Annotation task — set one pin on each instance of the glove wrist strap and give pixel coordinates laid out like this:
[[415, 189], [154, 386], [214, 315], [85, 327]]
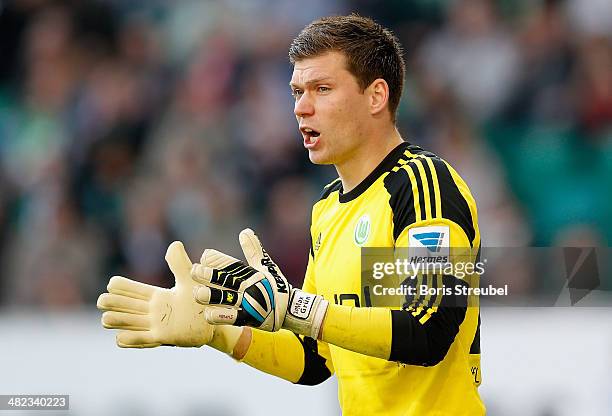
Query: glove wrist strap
[[305, 313]]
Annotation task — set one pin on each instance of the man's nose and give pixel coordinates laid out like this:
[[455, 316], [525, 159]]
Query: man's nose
[[303, 106]]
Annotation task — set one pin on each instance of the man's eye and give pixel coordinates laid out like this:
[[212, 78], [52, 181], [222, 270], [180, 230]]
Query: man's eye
[[296, 93], [323, 89]]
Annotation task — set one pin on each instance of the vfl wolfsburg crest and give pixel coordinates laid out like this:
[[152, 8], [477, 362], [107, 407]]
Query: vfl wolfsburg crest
[[362, 230]]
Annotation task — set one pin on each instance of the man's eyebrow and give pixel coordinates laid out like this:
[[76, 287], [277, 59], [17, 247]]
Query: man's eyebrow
[[312, 81]]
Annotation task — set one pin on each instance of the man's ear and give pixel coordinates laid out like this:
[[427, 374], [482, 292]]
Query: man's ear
[[378, 93]]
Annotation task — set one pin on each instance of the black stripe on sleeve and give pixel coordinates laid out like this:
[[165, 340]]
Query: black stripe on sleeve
[[427, 344], [419, 182], [437, 282], [454, 205], [430, 185], [401, 200], [315, 370]]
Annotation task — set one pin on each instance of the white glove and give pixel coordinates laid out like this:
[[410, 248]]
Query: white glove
[[149, 316], [256, 295]]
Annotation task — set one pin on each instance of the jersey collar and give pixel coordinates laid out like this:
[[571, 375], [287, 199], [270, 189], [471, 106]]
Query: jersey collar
[[387, 163]]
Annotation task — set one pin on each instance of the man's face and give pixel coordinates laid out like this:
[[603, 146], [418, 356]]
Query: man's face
[[329, 107]]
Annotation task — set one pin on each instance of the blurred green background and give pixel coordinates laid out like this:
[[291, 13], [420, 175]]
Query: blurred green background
[[126, 125]]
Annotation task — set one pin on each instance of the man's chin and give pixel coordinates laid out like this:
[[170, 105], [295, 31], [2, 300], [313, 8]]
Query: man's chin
[[319, 158]]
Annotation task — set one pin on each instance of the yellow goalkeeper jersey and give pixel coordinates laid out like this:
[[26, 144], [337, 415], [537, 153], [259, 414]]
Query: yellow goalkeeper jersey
[[413, 197]]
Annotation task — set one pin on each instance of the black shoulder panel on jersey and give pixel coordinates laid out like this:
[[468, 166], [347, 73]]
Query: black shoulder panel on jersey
[[454, 205], [401, 200], [417, 150], [315, 370], [427, 344], [334, 186]]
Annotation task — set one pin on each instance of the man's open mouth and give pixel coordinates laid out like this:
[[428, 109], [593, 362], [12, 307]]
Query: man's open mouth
[[310, 134], [307, 131]]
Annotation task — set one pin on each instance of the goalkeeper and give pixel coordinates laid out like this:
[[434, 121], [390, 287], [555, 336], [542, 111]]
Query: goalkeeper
[[419, 357]]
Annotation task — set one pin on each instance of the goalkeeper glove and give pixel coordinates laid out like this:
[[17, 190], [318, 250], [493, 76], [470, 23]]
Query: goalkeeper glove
[[149, 316], [257, 294]]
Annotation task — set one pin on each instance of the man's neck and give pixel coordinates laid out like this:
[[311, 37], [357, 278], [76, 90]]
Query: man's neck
[[356, 168]]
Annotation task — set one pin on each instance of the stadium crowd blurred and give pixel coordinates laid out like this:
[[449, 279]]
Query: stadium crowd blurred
[[126, 125]]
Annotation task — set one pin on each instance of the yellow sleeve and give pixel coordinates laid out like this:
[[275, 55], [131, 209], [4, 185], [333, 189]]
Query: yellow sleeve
[[278, 353], [363, 330]]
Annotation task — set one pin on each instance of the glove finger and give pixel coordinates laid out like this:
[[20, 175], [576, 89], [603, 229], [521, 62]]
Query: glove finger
[[221, 316], [122, 320], [246, 316], [136, 339], [259, 259], [202, 274], [120, 285], [212, 296], [118, 303], [254, 252], [215, 259], [229, 277], [179, 262]]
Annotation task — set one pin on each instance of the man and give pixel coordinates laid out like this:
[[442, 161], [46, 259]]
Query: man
[[417, 357]]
